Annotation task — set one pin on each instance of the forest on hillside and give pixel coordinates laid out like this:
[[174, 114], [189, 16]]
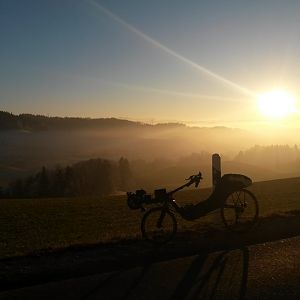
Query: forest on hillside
[[160, 155], [99, 177], [94, 177], [276, 157], [9, 121]]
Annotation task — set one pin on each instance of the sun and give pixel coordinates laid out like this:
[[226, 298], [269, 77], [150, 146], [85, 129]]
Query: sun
[[277, 104]]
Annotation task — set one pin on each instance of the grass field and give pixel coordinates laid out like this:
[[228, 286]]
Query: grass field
[[33, 225]]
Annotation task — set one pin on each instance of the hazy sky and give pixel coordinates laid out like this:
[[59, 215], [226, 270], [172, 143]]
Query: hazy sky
[[193, 61]]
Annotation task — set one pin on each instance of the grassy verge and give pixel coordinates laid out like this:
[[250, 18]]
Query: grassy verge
[[32, 225]]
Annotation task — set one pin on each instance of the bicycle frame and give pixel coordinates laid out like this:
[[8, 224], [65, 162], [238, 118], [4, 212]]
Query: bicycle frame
[[156, 230], [212, 203], [170, 199], [179, 209]]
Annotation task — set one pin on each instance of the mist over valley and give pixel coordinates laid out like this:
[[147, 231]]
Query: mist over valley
[[159, 154]]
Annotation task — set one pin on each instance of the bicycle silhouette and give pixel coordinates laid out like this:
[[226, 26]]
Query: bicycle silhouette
[[238, 206]]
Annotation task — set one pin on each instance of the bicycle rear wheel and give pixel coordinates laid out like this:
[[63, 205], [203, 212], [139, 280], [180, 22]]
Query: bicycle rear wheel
[[240, 211], [158, 225]]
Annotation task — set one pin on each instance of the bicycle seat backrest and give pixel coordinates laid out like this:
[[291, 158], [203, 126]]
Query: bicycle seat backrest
[[234, 182]]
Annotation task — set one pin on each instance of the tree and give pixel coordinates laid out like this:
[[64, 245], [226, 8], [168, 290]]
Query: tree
[[69, 181], [43, 183], [104, 178], [58, 183], [17, 189], [30, 187], [125, 174]]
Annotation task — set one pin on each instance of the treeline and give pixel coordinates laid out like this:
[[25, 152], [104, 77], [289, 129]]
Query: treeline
[[9, 121], [272, 156], [95, 177]]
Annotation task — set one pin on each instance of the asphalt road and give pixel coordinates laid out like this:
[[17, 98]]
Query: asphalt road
[[264, 271]]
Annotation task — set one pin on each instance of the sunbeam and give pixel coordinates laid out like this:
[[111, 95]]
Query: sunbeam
[[162, 91], [168, 50], [134, 87]]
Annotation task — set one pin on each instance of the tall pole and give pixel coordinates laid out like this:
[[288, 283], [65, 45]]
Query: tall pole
[[216, 169]]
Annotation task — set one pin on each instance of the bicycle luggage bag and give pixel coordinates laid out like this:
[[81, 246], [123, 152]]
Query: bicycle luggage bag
[[160, 195], [135, 200]]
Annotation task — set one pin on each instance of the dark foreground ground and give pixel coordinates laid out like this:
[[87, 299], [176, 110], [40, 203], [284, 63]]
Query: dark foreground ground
[[264, 263], [264, 271]]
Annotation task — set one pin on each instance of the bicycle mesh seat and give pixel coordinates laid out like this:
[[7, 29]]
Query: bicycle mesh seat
[[235, 181]]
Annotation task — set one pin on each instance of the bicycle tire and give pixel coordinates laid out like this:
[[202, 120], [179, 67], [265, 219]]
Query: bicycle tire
[[237, 205], [155, 233]]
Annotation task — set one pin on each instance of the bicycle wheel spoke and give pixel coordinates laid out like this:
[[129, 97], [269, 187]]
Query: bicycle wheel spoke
[[158, 225], [240, 210]]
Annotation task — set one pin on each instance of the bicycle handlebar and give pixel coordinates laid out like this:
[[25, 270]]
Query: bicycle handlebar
[[194, 179]]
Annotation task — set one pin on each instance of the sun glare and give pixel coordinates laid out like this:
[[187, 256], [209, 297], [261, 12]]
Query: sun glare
[[276, 104]]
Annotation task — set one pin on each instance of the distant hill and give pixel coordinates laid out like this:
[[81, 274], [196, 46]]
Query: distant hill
[[9, 121], [280, 158], [160, 153]]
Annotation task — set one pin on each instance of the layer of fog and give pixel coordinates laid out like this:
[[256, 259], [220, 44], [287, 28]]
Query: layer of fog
[[156, 154]]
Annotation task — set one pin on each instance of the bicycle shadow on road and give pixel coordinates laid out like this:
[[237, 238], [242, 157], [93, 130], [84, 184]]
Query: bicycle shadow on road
[[190, 278], [222, 274], [131, 284], [204, 276]]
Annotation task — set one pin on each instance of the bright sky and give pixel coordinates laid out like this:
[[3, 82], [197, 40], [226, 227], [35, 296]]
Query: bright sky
[[202, 62]]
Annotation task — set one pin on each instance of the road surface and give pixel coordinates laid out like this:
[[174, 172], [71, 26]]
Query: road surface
[[269, 270]]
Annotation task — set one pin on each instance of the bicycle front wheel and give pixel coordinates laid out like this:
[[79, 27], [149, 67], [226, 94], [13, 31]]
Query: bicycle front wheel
[[158, 225], [240, 211]]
